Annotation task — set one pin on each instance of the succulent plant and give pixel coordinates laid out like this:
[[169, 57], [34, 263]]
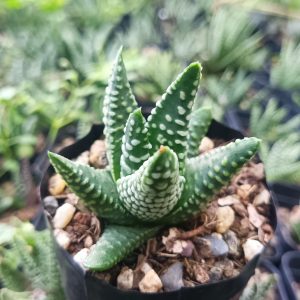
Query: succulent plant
[[155, 176]]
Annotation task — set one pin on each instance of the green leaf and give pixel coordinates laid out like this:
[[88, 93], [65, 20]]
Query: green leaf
[[115, 244], [198, 126], [168, 122], [95, 187], [119, 102], [135, 144], [154, 189], [207, 174]]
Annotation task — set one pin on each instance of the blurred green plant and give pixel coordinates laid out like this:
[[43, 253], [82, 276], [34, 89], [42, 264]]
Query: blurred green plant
[[230, 40], [258, 288], [280, 150], [285, 72], [230, 89], [282, 159], [28, 261], [270, 123]]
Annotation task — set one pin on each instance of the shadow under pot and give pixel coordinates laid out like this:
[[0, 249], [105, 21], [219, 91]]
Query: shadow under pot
[[290, 267], [85, 285]]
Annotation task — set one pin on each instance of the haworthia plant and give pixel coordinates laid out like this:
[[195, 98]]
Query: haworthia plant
[[156, 176]]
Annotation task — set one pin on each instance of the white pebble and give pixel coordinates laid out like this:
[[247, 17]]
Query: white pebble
[[81, 256], [225, 218], [251, 248], [63, 215], [62, 238], [150, 283], [125, 279]]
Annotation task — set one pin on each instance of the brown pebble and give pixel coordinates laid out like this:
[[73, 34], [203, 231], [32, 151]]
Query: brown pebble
[[88, 241], [56, 185]]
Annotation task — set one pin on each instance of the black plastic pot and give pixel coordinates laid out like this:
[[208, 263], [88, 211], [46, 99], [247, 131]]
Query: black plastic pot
[[290, 267], [274, 250], [237, 119], [86, 286], [286, 196], [281, 293]]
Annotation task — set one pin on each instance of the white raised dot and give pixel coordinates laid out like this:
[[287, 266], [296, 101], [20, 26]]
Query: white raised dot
[[182, 133], [190, 104], [135, 142], [181, 110], [170, 132], [162, 126], [194, 92], [182, 95], [179, 122], [168, 118]]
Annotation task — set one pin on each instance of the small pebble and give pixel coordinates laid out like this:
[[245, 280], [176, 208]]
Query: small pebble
[[206, 145], [172, 279], [81, 256], [56, 185], [83, 158], [50, 204], [97, 156], [233, 243], [216, 274], [225, 218], [62, 237], [88, 242], [150, 283], [251, 248], [212, 245], [125, 279], [63, 215], [145, 267]]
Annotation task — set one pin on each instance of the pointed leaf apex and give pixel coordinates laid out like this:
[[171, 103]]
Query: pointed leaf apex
[[137, 111], [120, 50], [194, 67], [162, 149], [53, 157]]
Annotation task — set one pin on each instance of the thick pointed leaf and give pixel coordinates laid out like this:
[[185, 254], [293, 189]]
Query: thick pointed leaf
[[135, 144], [115, 244], [168, 122], [95, 188], [208, 173], [198, 126], [154, 189], [119, 102]]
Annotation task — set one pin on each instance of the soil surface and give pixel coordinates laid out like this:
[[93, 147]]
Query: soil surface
[[214, 246]]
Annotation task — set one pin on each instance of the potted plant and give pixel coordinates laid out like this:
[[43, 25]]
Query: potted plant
[[290, 267], [156, 179]]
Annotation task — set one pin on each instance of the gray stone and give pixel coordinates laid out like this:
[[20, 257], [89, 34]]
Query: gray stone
[[216, 274], [51, 204], [233, 243], [172, 278], [212, 245]]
